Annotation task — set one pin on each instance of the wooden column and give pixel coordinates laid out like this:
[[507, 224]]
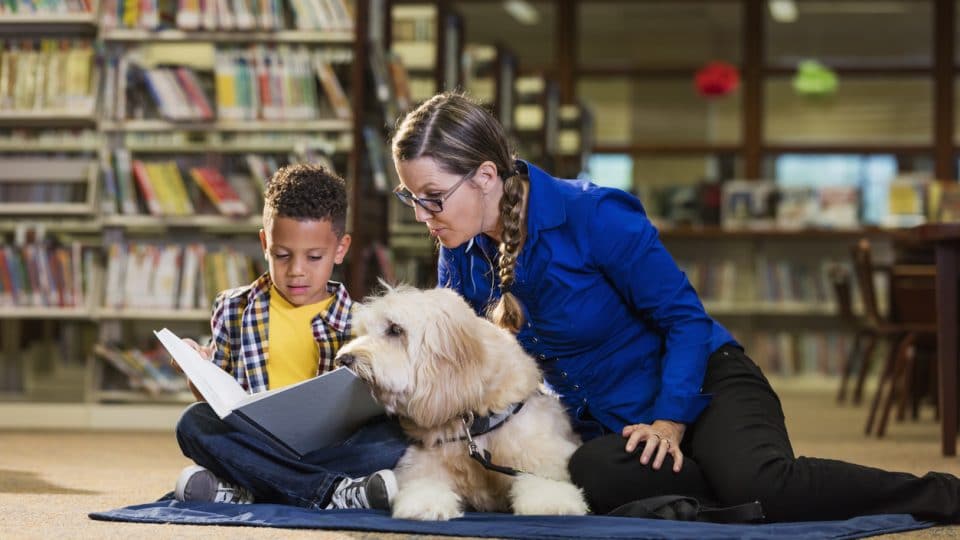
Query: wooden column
[[566, 54], [944, 71], [752, 75]]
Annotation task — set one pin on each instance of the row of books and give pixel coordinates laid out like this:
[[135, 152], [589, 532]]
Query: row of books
[[58, 139], [793, 353], [918, 198], [52, 192], [242, 15], [910, 199], [783, 280], [713, 280], [39, 7], [422, 27], [48, 75], [391, 83], [160, 188], [172, 276], [268, 83], [774, 280], [149, 371], [38, 274], [764, 204], [328, 143]]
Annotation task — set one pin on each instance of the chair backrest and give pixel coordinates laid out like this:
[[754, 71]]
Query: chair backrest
[[863, 269], [913, 294], [843, 294]]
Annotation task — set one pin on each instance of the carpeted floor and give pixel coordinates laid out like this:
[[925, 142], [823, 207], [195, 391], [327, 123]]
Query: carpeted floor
[[50, 481]]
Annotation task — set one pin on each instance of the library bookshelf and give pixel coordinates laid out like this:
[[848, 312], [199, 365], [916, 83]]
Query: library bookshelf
[[89, 221]]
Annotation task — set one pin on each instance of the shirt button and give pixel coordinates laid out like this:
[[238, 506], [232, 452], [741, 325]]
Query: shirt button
[[542, 357], [563, 374], [576, 387], [535, 340]]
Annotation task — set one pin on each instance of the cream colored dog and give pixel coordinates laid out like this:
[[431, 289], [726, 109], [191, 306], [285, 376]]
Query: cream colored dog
[[431, 361]]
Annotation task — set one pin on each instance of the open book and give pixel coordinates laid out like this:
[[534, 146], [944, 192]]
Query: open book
[[317, 413]]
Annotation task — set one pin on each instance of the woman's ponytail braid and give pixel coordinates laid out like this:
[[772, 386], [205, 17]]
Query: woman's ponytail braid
[[508, 313]]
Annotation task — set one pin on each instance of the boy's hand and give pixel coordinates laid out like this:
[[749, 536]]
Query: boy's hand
[[205, 352]]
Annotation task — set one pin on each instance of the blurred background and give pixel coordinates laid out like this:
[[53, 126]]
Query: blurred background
[[794, 154]]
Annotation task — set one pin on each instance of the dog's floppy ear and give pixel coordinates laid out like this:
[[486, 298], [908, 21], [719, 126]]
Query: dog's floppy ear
[[449, 381]]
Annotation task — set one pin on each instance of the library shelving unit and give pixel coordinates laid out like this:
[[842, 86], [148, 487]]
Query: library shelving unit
[[110, 215], [772, 288], [537, 119], [428, 38], [575, 140], [53, 55], [490, 72]]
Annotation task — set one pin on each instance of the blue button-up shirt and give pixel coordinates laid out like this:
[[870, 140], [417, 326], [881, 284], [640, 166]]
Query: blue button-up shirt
[[616, 327]]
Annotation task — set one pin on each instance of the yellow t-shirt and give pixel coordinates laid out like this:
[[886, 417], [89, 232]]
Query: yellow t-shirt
[[292, 353]]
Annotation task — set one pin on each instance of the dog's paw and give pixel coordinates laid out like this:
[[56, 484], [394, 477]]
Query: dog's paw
[[427, 503], [532, 495]]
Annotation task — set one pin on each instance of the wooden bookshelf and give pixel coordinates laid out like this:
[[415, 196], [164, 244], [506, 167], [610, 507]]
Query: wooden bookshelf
[[134, 396], [310, 37], [160, 126], [221, 142], [227, 148], [151, 314], [45, 313], [40, 119], [212, 222]]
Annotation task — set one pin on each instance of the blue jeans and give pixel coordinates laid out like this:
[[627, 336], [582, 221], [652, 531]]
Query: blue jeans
[[273, 477]]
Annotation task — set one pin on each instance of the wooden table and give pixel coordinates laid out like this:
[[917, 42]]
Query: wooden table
[[945, 239]]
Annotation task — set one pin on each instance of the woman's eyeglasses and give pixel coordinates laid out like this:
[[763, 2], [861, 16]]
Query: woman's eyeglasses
[[432, 205]]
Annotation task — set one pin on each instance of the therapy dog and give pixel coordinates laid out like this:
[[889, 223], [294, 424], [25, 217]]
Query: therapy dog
[[454, 380]]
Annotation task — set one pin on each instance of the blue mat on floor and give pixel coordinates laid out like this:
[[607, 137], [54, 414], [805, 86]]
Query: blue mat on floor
[[498, 525]]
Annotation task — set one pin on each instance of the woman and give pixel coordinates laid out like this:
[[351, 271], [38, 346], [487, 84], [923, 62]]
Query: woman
[[664, 397]]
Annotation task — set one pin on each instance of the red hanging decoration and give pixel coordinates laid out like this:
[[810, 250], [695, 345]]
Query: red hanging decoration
[[717, 79]]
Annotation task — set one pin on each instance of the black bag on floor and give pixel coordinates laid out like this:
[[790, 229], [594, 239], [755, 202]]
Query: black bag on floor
[[680, 508]]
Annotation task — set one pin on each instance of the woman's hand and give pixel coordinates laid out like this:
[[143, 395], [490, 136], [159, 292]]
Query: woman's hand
[[662, 437]]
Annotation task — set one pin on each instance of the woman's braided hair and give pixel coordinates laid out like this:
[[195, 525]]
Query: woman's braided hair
[[459, 135]]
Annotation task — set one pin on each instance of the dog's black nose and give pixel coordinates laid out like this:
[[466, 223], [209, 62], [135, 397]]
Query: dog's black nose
[[346, 359]]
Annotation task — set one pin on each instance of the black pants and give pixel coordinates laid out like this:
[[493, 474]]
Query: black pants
[[738, 451]]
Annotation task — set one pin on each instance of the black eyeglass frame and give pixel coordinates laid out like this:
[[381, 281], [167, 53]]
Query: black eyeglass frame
[[432, 205]]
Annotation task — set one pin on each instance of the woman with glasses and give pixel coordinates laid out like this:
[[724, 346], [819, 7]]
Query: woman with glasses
[[664, 397]]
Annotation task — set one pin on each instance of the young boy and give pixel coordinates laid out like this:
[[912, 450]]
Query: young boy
[[283, 328]]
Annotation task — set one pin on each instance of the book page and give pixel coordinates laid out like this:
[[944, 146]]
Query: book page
[[218, 387]]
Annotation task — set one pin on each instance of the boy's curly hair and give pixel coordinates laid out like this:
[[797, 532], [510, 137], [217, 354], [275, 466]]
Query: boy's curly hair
[[307, 191]]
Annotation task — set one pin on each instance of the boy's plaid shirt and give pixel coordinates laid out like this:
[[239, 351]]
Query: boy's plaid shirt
[[239, 326]]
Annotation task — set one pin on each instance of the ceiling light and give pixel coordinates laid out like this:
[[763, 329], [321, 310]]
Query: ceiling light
[[783, 11], [522, 11]]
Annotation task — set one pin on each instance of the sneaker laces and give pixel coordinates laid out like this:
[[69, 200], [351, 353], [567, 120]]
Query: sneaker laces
[[230, 493], [351, 493]]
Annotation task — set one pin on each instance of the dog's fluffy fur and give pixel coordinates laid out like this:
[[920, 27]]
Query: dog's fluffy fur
[[430, 360]]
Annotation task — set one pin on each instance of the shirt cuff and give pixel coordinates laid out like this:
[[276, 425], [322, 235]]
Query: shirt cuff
[[683, 408]]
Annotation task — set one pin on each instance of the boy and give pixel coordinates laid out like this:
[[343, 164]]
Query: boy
[[283, 328]]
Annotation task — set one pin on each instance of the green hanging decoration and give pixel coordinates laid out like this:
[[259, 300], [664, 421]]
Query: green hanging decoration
[[815, 79]]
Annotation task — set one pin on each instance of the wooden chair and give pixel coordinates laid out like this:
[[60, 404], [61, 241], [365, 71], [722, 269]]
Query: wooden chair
[[907, 322], [912, 304], [864, 341]]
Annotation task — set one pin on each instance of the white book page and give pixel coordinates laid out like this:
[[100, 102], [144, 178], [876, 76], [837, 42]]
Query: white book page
[[218, 387]]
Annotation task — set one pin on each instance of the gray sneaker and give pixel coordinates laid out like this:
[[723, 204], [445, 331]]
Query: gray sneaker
[[375, 491], [196, 483]]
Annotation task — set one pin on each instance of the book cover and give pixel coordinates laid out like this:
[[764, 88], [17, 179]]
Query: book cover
[[278, 415]]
